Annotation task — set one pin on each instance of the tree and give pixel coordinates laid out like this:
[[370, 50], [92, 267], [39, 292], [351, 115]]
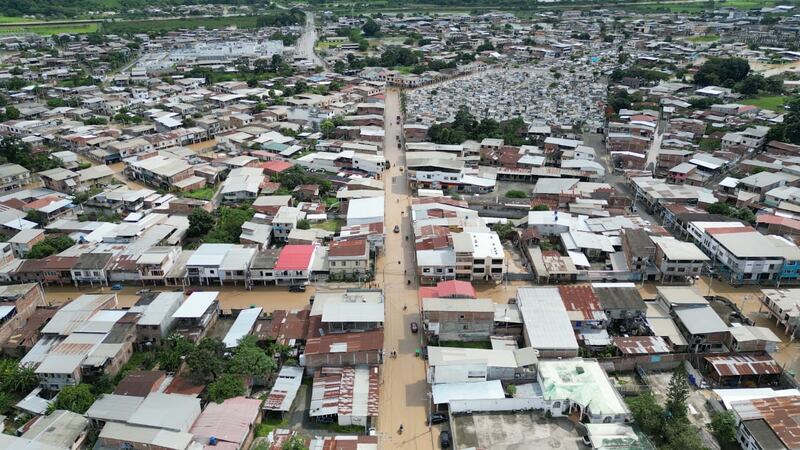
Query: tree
[[200, 222], [326, 128], [50, 246], [682, 435], [77, 399], [12, 113], [295, 442], [724, 71], [371, 28], [541, 208], [516, 194], [227, 386], [677, 393], [175, 347], [303, 224], [719, 208], [229, 225], [250, 359], [647, 414], [206, 361], [18, 378], [505, 231], [723, 425], [38, 217]]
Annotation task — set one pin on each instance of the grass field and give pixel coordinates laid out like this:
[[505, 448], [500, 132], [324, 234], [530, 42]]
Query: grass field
[[6, 19], [333, 225], [774, 102], [702, 39], [47, 30], [163, 26], [206, 193]]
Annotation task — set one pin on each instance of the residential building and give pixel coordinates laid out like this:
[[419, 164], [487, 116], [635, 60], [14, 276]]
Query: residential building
[[13, 177], [678, 261], [23, 242], [349, 258], [457, 319], [479, 256], [196, 315]]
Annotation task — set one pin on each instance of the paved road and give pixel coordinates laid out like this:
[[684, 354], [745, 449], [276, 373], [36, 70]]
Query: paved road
[[304, 47], [404, 391]]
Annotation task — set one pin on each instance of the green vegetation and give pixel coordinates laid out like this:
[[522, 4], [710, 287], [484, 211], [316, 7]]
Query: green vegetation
[[332, 225], [789, 130], [51, 29], [205, 193], [621, 99], [50, 246], [270, 423], [7, 19], [227, 386], [466, 126], [229, 224], [723, 426], [516, 194], [77, 399], [167, 25], [743, 214], [296, 176], [15, 382], [704, 38], [647, 75], [722, 72], [13, 150], [771, 102], [668, 427], [467, 344], [276, 19]]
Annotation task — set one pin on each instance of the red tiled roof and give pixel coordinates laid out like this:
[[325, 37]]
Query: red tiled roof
[[456, 288], [729, 230], [349, 248], [295, 257], [772, 219], [42, 202], [448, 289], [276, 166]]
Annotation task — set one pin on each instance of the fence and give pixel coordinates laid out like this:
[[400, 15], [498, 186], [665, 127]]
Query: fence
[[501, 404]]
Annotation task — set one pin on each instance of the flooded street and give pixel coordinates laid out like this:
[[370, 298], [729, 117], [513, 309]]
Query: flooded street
[[404, 390]]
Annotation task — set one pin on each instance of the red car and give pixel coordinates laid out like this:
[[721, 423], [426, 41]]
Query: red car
[[414, 327]]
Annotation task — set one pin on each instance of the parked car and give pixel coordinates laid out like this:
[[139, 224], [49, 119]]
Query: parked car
[[437, 418], [116, 287], [414, 327], [396, 228], [444, 439], [297, 288]]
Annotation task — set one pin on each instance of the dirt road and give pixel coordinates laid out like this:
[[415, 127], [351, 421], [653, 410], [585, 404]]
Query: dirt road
[[404, 391]]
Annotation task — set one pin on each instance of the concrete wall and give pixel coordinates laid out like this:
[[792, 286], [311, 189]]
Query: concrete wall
[[502, 404]]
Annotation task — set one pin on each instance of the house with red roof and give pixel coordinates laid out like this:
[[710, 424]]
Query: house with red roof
[[294, 263], [349, 258], [276, 166], [229, 425], [449, 289]]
